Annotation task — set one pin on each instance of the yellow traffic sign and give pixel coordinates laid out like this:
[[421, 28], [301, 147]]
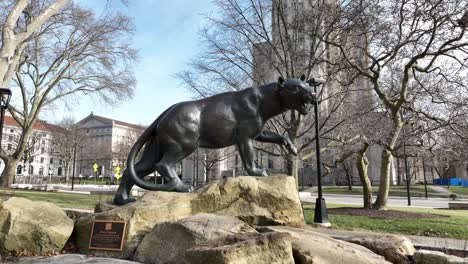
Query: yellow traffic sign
[[118, 176], [95, 167], [117, 169]]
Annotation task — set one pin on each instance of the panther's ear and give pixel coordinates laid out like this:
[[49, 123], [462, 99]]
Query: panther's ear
[[303, 77], [281, 81]]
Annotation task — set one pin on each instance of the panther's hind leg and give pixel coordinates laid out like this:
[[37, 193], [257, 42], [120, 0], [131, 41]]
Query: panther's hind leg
[[142, 168], [145, 166], [167, 166]]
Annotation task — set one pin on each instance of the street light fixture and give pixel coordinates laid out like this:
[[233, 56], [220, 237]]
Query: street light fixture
[[5, 96], [321, 216]]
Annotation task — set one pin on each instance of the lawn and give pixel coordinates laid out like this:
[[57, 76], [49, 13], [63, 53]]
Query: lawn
[[64, 200], [454, 225], [459, 190], [415, 191]]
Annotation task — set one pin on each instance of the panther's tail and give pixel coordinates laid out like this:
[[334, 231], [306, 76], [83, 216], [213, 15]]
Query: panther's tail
[[150, 131]]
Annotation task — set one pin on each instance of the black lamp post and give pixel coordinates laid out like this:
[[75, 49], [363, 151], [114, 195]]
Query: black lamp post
[[321, 216], [407, 171], [5, 95], [74, 160]]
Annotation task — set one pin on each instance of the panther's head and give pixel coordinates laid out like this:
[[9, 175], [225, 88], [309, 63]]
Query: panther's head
[[295, 94]]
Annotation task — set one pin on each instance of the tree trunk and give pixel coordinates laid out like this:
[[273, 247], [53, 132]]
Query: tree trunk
[[384, 186], [361, 165], [9, 172], [398, 172], [349, 177], [293, 168]]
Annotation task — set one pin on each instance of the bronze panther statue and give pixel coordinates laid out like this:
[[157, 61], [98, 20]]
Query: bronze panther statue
[[232, 118]]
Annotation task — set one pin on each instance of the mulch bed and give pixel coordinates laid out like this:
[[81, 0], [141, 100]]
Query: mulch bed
[[384, 214]]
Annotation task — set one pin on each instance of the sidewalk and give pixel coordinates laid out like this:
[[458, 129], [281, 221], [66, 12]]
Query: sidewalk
[[433, 243]]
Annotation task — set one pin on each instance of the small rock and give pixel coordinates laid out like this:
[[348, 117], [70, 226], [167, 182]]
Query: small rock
[[31, 227], [311, 247], [252, 248], [436, 257], [395, 248], [168, 241]]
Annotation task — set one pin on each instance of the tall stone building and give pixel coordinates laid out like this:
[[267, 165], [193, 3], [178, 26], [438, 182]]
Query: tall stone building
[[103, 141], [41, 157]]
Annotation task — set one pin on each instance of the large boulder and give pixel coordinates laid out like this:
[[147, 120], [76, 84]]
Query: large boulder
[[397, 249], [252, 248], [269, 200], [311, 247], [436, 257], [140, 216], [168, 241], [33, 227], [72, 259]]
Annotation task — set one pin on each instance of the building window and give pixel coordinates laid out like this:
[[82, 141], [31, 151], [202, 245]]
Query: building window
[[31, 169], [51, 161], [59, 171], [43, 142], [42, 150], [10, 138], [42, 159], [60, 162], [31, 159], [9, 147], [11, 131], [19, 169], [270, 164], [41, 170]]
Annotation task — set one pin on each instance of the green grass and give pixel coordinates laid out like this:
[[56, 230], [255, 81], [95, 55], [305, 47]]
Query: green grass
[[64, 200], [415, 191], [459, 190], [454, 226]]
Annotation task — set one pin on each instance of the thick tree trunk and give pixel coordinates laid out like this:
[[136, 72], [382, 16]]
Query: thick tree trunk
[[384, 186], [9, 173], [361, 165]]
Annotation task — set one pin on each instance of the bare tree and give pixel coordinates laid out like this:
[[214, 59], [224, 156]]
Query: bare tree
[[123, 146], [14, 40], [64, 144], [407, 43], [73, 53], [254, 42]]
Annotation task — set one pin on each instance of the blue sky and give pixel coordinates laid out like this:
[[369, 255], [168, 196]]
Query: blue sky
[[166, 37]]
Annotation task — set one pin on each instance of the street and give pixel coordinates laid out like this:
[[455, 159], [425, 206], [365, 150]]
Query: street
[[392, 200]]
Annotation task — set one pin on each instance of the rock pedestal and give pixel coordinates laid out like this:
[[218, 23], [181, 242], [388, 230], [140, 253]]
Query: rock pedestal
[[255, 200], [269, 200], [33, 227], [141, 216]]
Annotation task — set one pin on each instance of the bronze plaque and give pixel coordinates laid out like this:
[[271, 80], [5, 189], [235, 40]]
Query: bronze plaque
[[107, 235]]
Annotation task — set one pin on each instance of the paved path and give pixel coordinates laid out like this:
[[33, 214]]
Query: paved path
[[441, 189], [418, 241], [392, 200]]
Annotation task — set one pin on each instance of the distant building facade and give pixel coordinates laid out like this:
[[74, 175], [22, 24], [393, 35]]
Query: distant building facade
[[41, 157], [105, 142]]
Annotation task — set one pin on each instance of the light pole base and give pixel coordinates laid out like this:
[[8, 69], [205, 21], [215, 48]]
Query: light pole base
[[321, 216]]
